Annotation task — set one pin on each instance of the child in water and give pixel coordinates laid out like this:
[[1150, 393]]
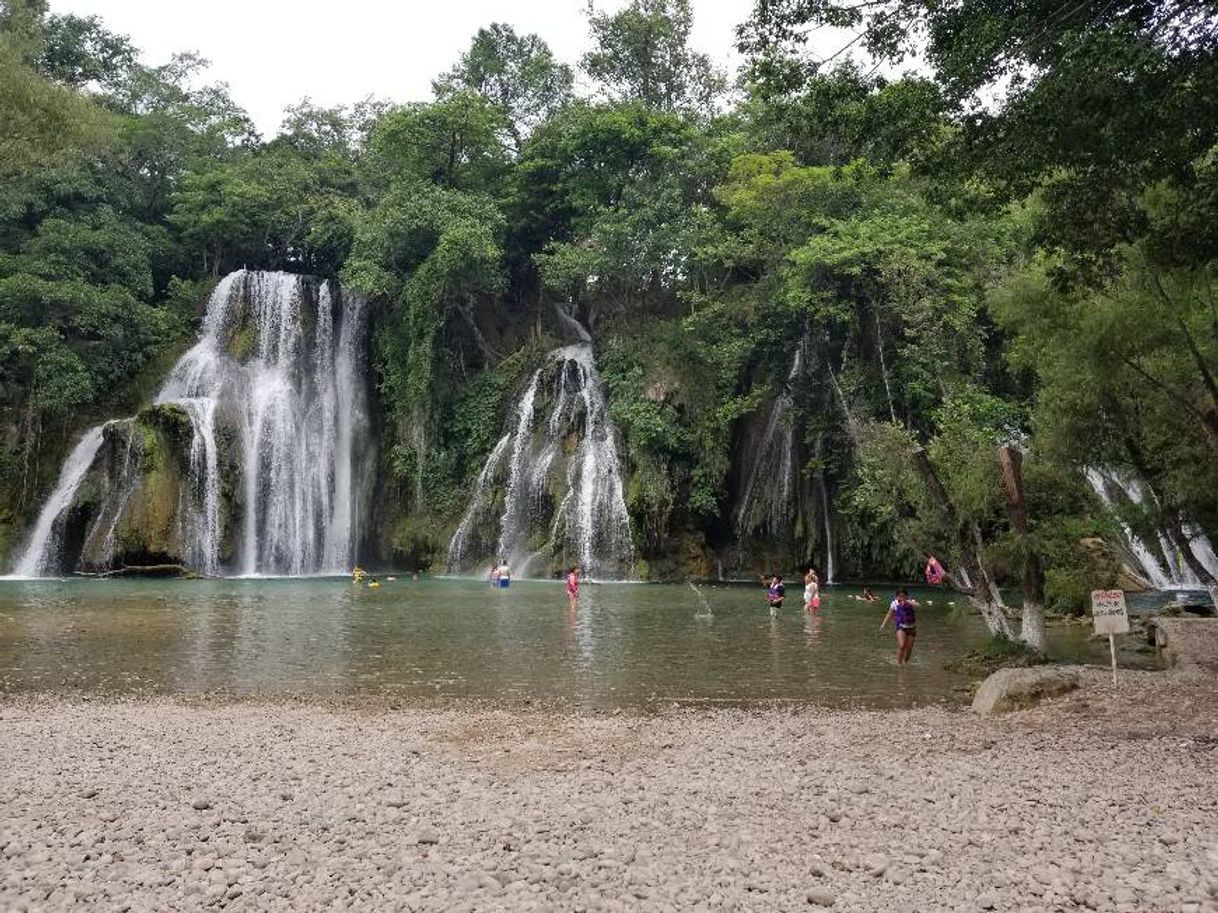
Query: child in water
[[811, 592], [906, 620]]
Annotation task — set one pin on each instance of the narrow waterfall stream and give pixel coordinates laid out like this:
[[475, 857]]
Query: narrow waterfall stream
[[274, 387], [41, 552]]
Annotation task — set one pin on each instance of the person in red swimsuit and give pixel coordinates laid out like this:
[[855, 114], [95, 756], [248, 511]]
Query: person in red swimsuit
[[573, 586]]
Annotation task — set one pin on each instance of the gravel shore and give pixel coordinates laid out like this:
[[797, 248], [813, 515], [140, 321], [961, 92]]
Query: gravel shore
[[1103, 799]]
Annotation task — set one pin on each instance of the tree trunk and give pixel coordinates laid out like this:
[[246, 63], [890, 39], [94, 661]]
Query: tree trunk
[[971, 547], [146, 570], [1032, 624], [879, 342]]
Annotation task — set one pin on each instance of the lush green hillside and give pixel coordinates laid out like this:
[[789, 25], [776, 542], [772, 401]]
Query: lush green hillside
[[894, 277]]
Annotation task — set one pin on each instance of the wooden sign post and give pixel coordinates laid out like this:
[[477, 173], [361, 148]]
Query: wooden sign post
[[1110, 617]]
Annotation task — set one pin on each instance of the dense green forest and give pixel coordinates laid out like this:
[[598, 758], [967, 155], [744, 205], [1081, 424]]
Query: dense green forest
[[996, 271]]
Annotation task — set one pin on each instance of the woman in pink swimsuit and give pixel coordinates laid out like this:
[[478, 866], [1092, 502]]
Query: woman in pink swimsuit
[[573, 586]]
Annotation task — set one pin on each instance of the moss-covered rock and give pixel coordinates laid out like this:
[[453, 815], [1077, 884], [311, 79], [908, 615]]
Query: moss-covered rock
[[167, 435], [129, 505]]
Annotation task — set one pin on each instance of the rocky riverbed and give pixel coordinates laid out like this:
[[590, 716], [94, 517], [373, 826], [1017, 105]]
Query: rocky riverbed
[[1097, 800]]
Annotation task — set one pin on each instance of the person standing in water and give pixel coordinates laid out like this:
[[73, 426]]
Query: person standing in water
[[495, 574], [505, 575], [906, 620], [573, 587], [775, 592], [811, 592]]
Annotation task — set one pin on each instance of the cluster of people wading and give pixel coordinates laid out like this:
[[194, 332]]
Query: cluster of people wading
[[902, 610]]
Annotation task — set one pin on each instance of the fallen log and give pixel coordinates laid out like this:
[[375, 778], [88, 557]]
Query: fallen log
[[146, 570]]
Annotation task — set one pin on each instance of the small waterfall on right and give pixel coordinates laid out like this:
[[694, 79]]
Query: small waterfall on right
[[1159, 563], [550, 493]]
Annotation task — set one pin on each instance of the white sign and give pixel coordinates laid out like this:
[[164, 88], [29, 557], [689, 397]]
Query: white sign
[[1108, 612]]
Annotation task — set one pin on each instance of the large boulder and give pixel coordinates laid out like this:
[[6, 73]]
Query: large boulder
[[1188, 644], [1013, 689]]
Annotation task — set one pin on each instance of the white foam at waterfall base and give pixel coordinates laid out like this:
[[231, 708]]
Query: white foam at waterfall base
[[42, 550], [590, 523]]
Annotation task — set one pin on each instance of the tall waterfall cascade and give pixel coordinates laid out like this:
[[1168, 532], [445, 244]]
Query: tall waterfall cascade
[[1158, 561], [550, 493], [769, 492], [273, 392]]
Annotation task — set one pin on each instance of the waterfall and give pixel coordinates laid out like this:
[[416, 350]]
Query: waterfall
[[562, 497], [1166, 570], [301, 411], [571, 325], [769, 481], [276, 377], [457, 547], [41, 554], [824, 511], [105, 524]]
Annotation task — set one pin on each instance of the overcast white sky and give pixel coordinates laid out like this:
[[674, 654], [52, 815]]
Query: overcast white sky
[[274, 52]]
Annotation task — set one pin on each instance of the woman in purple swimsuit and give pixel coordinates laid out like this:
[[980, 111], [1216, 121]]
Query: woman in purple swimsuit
[[903, 615]]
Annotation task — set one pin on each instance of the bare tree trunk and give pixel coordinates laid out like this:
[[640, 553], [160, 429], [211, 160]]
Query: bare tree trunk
[[971, 546], [29, 437], [1032, 624], [879, 342]]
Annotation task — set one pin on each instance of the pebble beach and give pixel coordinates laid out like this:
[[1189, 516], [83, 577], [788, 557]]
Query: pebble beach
[[1103, 799]]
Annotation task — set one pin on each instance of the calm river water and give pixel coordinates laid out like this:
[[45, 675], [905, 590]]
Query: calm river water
[[441, 639]]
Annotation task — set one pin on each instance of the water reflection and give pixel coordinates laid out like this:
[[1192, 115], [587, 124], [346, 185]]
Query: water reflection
[[622, 645]]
